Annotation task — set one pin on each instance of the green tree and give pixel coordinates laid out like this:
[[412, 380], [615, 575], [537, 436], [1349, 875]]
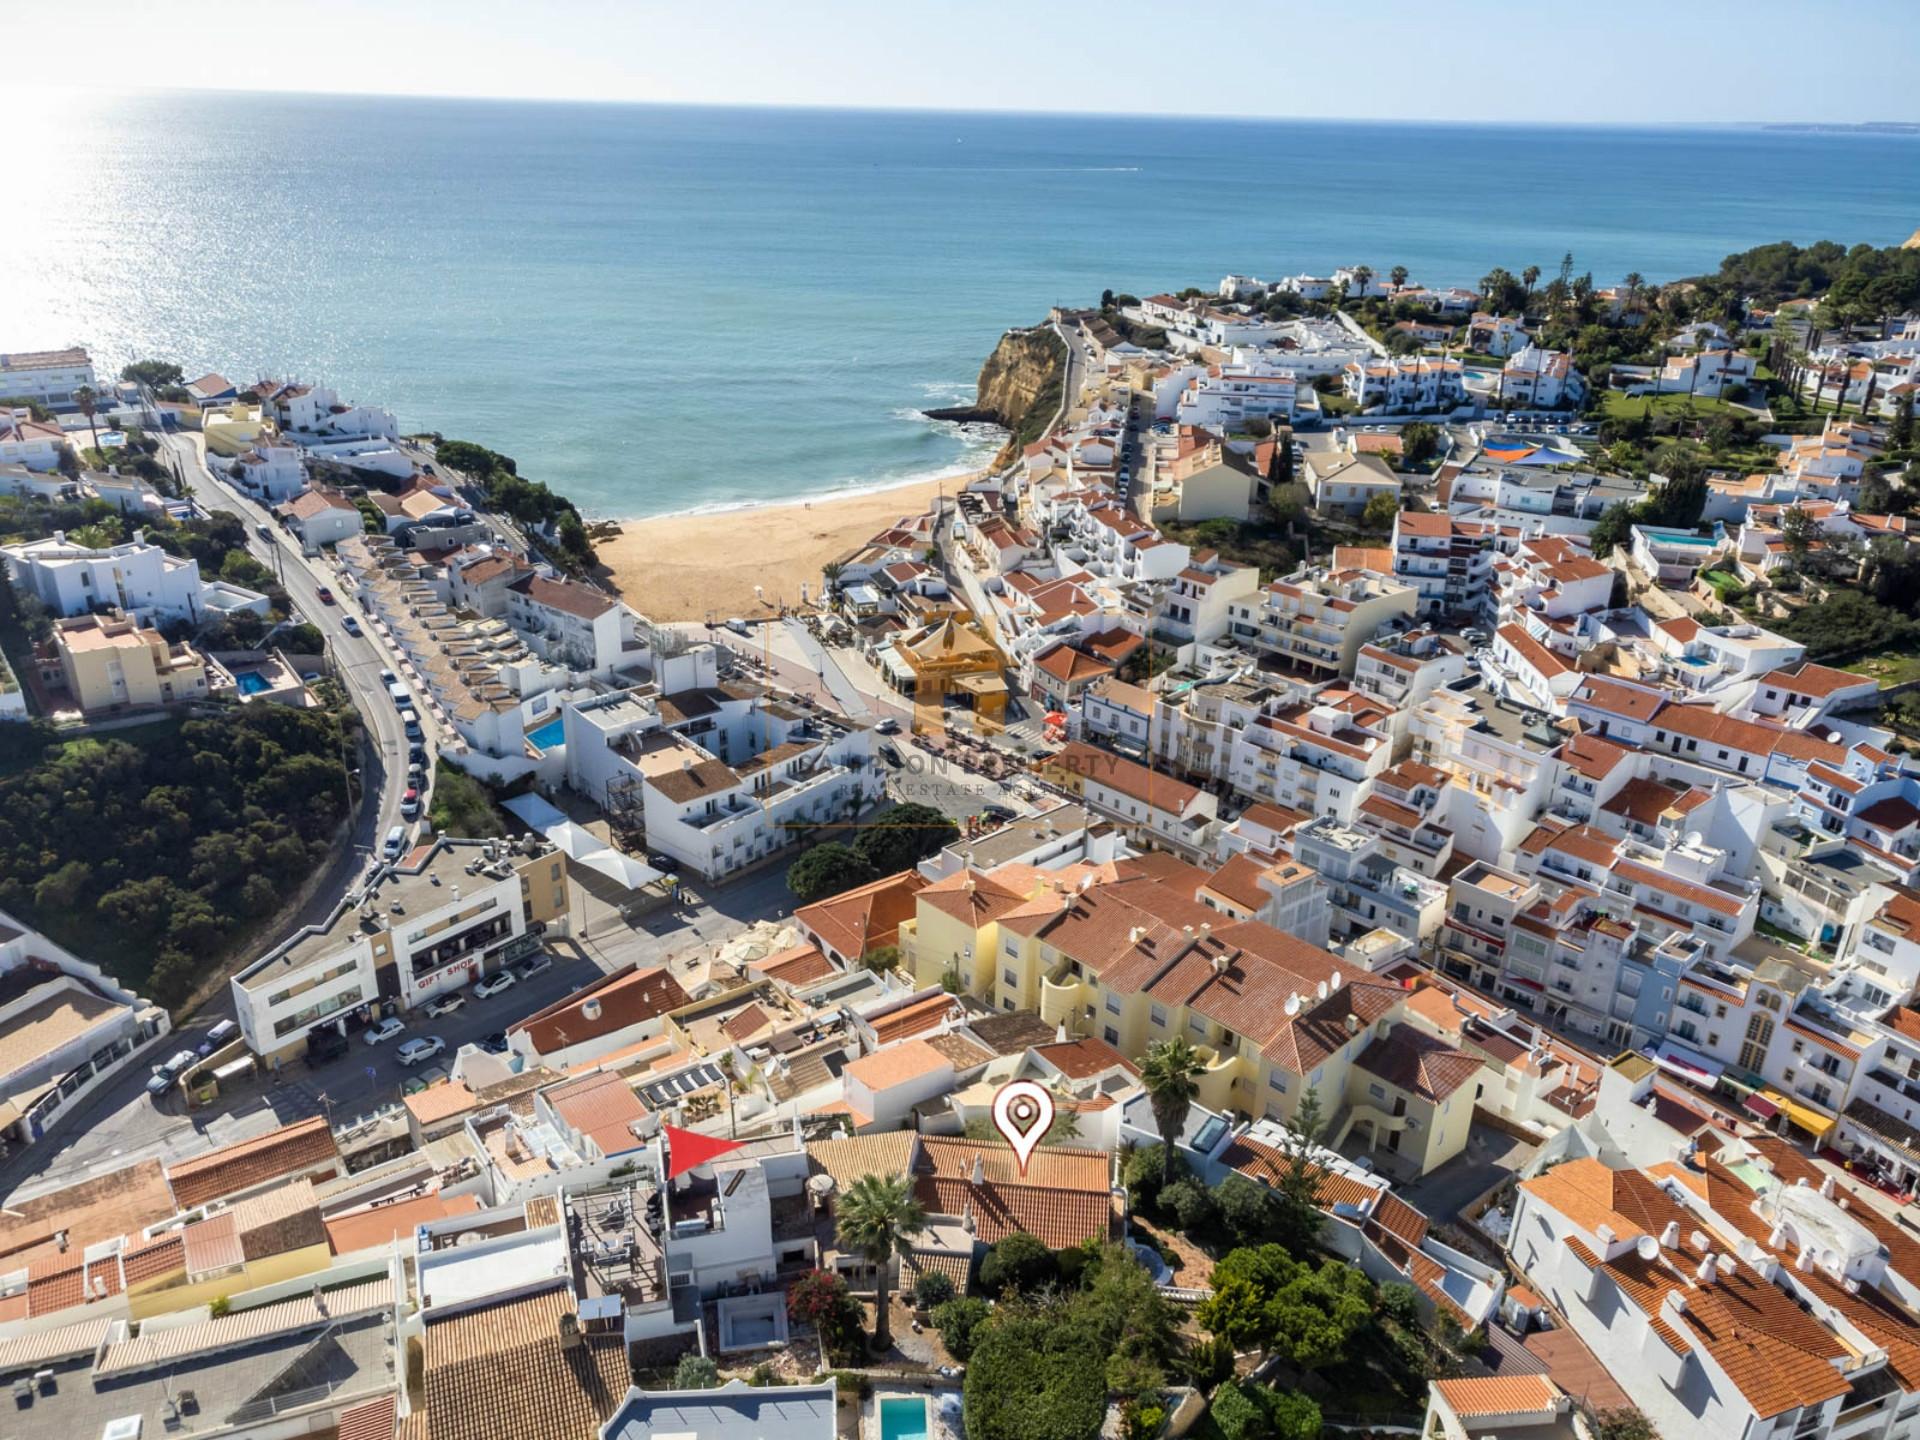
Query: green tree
[[1145, 1176], [820, 1299], [1191, 1204], [87, 400], [1419, 443], [1235, 1414], [1900, 429], [828, 870], [1624, 1423], [1398, 275], [1290, 1415], [1033, 1378], [958, 1320], [1614, 528], [1019, 1261], [1799, 532], [876, 1216], [932, 1289], [1296, 1190], [903, 837], [696, 1372], [1529, 277], [1381, 511], [881, 958], [1170, 1074], [154, 374], [1248, 1209]]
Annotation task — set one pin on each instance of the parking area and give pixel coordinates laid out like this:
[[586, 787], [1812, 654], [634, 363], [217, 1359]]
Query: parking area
[[1490, 1157]]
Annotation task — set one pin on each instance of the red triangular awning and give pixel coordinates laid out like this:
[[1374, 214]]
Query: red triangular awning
[[688, 1149]]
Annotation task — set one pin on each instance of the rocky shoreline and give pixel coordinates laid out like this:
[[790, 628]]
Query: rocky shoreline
[[969, 415]]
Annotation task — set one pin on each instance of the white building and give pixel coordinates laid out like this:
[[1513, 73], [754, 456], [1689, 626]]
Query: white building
[[269, 471], [437, 919], [1541, 379], [1415, 384], [29, 442], [49, 376], [1316, 620], [1226, 396], [322, 517], [573, 624], [136, 577]]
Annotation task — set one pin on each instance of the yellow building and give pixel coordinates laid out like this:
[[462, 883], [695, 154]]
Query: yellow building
[[263, 1240], [108, 662], [953, 655], [1111, 951], [232, 429]]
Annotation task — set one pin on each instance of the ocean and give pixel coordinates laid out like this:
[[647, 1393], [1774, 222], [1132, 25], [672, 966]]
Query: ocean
[[659, 309]]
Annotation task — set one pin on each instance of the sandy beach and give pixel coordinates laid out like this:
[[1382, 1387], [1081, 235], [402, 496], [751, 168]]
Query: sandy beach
[[683, 567]]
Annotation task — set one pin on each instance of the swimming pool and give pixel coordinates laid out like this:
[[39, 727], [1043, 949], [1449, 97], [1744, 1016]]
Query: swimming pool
[[251, 682], [549, 734], [903, 1417]]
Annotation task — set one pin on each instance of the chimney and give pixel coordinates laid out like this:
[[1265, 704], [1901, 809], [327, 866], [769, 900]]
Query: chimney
[[1670, 1237], [979, 1170], [1206, 927], [1826, 1188], [1222, 963], [1805, 1263], [570, 1337], [1704, 1274]]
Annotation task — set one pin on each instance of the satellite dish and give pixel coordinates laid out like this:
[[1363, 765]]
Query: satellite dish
[[1334, 980], [1293, 1005], [1320, 991]]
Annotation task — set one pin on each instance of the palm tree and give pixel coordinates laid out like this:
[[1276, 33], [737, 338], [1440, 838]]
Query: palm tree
[[1169, 1073], [876, 1216], [1399, 276], [89, 403], [1529, 277], [1362, 277]]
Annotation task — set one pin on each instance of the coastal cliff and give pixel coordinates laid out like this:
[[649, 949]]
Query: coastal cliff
[[1019, 388]]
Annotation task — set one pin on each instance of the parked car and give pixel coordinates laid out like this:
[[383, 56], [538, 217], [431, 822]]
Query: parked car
[[410, 803], [387, 677], [533, 965], [493, 985], [350, 625], [739, 626], [494, 1044], [665, 864], [168, 1071], [395, 843], [263, 532], [998, 812], [888, 726], [892, 756], [216, 1036], [419, 1049], [326, 595], [446, 1004], [417, 755], [382, 1031]]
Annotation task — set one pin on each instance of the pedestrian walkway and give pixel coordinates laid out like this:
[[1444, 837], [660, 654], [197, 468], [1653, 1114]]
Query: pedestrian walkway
[[851, 701]]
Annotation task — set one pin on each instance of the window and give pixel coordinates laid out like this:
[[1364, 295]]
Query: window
[[1158, 1016], [1010, 977], [1197, 1025], [1377, 1092], [1278, 1080], [1112, 1035], [1113, 1003]]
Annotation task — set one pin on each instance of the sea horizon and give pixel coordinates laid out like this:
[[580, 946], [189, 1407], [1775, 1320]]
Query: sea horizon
[[664, 308]]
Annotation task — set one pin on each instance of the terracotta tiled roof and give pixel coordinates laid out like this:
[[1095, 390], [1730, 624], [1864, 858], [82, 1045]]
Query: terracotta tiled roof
[[1063, 1199], [1400, 1220], [915, 1019], [293, 1150], [1419, 1064], [1488, 1395], [972, 898], [500, 1370], [864, 919], [1259, 1161], [896, 1065], [568, 596], [371, 1420], [1117, 773], [1238, 882], [1082, 1059], [626, 998], [799, 966], [382, 1226], [846, 1160]]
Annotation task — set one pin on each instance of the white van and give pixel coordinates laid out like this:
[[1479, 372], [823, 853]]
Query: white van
[[395, 844], [398, 693]]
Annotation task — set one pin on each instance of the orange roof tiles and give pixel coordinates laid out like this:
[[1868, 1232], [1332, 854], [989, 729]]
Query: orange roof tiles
[[302, 1147], [364, 1229], [622, 1000], [1483, 1396], [863, 919]]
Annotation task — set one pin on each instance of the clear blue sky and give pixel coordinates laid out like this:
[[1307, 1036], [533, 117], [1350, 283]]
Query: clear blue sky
[[1535, 61]]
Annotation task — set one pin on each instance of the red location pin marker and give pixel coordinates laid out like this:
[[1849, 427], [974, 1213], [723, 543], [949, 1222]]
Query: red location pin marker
[[1023, 1112]]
